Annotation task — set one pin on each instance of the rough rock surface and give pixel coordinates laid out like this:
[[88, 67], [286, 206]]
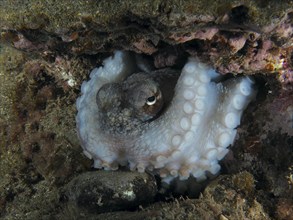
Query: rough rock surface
[[59, 42], [228, 197], [234, 36]]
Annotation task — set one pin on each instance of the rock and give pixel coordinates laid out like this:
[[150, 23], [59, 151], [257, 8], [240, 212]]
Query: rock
[[227, 197], [104, 191], [235, 36]]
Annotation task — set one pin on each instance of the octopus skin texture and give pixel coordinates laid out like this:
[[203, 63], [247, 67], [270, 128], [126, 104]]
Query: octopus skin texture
[[127, 119]]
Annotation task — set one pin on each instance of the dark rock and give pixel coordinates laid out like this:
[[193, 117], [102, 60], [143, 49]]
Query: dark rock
[[104, 191]]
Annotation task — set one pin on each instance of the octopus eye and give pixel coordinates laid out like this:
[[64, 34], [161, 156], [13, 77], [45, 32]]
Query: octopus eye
[[151, 100]]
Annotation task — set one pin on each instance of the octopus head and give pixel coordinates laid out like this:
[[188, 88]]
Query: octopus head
[[139, 97], [144, 96]]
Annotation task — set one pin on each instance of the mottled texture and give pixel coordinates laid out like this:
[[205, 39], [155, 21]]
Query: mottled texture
[[123, 106], [187, 138]]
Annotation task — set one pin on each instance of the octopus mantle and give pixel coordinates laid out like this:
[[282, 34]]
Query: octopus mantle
[[189, 138]]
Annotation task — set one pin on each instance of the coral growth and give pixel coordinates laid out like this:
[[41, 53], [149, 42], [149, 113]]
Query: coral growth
[[38, 147]]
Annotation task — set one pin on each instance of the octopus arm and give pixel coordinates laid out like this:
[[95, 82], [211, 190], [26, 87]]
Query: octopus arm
[[189, 138], [95, 146], [195, 131]]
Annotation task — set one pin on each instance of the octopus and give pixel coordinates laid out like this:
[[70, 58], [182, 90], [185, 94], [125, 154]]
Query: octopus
[[172, 123]]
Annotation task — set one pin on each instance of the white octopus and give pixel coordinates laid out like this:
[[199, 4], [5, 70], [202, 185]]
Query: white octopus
[[188, 139]]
